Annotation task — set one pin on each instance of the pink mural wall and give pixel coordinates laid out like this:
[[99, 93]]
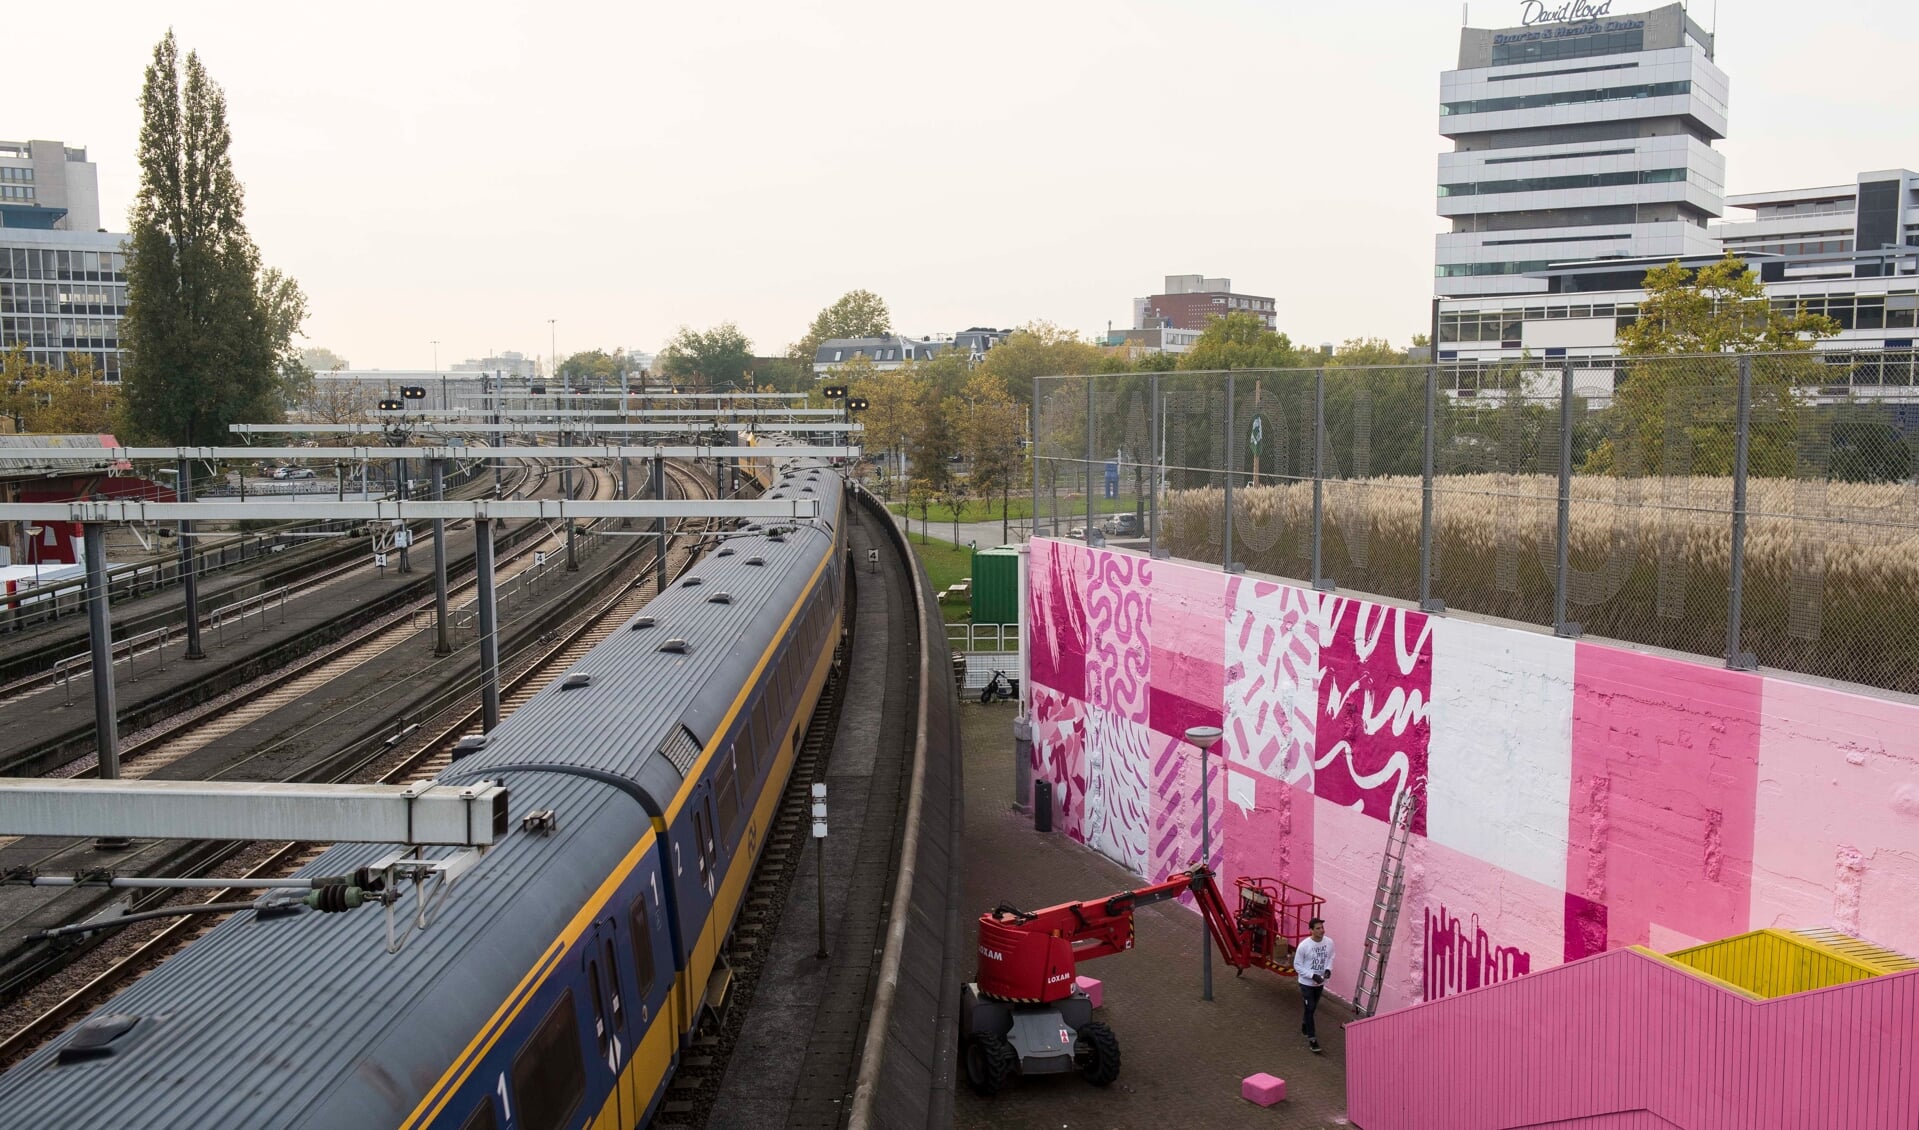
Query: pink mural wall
[[1568, 797]]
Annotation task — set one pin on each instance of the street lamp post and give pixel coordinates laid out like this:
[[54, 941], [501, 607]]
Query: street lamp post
[[1204, 737]]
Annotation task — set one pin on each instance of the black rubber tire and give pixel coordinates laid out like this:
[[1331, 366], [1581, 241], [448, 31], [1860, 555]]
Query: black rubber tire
[[1097, 1054], [991, 1064]]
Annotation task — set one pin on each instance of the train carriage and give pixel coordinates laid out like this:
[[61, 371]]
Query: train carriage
[[561, 978]]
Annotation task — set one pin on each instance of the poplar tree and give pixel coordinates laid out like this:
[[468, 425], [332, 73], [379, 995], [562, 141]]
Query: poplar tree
[[206, 329]]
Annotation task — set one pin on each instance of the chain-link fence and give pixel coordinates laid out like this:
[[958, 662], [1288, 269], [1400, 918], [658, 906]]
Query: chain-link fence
[[1734, 506]]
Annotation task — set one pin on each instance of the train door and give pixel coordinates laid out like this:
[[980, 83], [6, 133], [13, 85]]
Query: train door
[[607, 1012]]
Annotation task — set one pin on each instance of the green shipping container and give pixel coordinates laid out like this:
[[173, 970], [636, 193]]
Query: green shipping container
[[996, 586]]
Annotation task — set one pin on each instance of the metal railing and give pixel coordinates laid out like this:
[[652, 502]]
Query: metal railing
[[124, 651], [1739, 506], [982, 637], [253, 607]]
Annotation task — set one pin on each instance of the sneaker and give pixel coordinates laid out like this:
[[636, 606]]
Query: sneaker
[[1314, 1045]]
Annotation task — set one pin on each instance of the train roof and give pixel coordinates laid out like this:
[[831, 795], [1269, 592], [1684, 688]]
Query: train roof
[[275, 1022]]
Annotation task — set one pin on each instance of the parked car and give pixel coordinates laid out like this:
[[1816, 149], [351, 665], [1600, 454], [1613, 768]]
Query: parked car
[[299, 473], [1122, 526], [1076, 532]]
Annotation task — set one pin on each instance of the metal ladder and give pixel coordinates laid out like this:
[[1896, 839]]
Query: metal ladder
[[1385, 916]]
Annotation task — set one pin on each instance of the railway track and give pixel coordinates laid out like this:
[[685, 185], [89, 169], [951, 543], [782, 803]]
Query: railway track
[[44, 1011], [532, 477]]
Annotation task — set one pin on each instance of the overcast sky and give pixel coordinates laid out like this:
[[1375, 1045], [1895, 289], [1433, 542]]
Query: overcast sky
[[466, 172]]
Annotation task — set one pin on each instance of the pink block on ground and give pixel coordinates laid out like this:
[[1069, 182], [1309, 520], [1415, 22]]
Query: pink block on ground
[[1262, 1088], [1093, 989]]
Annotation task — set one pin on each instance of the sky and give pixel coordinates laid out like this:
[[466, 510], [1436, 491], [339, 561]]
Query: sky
[[464, 173]]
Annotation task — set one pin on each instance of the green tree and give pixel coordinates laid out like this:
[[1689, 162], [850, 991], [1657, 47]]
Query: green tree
[[207, 331], [1679, 350], [592, 367], [857, 313], [715, 359], [1240, 341]]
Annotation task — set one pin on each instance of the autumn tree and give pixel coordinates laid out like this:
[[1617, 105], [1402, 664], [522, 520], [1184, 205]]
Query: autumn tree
[[1038, 349], [992, 426], [857, 313], [208, 332], [320, 359], [56, 401], [714, 359], [1676, 394]]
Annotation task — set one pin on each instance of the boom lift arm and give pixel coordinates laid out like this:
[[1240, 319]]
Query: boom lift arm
[[1032, 956]]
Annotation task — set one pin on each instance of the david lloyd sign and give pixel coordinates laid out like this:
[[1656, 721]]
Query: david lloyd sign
[[1536, 12]]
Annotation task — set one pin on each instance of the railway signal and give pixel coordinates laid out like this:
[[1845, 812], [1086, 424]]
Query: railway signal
[[819, 836], [833, 392], [413, 392], [391, 405]]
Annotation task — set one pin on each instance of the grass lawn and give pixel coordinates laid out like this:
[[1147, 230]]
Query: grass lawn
[[946, 564], [1020, 508]]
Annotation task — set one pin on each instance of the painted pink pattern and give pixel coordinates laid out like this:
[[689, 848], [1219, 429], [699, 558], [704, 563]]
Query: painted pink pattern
[[1375, 688], [1461, 957], [1119, 616], [1176, 838], [1059, 755], [1186, 650], [1058, 600], [1272, 670], [1119, 768], [1273, 837]]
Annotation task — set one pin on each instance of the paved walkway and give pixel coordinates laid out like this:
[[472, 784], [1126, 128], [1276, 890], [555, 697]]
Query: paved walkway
[[1182, 1058]]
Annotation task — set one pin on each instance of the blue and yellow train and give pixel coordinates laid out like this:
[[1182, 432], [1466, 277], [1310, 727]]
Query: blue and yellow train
[[563, 975]]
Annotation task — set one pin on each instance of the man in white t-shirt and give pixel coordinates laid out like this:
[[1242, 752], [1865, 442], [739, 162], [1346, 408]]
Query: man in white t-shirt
[[1313, 961]]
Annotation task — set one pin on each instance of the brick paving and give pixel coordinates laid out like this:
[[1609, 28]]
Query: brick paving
[[1182, 1058]]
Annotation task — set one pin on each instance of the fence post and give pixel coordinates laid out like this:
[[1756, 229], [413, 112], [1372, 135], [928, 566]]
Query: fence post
[[1319, 479], [1232, 462], [1159, 470], [1032, 452], [1561, 626], [1736, 659], [1091, 438], [1426, 601]]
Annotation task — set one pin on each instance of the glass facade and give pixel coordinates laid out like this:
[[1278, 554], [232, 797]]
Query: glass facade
[[1571, 47], [59, 301], [1574, 180], [1565, 98]]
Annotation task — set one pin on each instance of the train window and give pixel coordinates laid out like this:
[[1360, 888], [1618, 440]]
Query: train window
[[762, 753], [549, 1075], [726, 794], [613, 980], [643, 947], [482, 1117], [600, 1032]]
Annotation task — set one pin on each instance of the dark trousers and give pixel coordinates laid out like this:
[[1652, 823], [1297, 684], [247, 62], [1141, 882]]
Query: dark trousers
[[1311, 995]]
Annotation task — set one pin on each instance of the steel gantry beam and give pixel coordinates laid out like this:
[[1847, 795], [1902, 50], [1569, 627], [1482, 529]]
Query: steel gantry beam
[[585, 427], [636, 394], [541, 509], [421, 814], [619, 414], [104, 457]]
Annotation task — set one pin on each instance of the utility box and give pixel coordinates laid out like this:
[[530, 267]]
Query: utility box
[[996, 586]]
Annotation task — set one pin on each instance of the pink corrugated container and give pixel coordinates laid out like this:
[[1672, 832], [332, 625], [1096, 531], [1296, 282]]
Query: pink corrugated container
[[1625, 1041]]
